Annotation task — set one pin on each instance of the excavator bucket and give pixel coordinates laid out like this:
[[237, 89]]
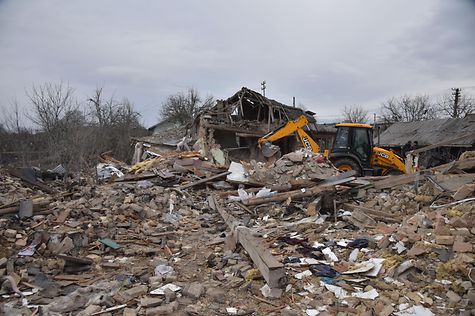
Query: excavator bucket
[[269, 150]]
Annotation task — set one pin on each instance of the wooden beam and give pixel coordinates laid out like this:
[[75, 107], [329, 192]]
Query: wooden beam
[[181, 187], [37, 207], [327, 186], [272, 270], [440, 144], [230, 129], [379, 215], [393, 181], [294, 195], [464, 164], [279, 188], [26, 175]]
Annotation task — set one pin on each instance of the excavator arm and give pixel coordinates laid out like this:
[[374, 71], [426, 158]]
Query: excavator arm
[[289, 128], [387, 160]]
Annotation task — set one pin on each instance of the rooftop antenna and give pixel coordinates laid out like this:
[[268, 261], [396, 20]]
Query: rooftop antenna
[[263, 87]]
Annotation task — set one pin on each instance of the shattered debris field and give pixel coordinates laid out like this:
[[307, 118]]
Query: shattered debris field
[[178, 235]]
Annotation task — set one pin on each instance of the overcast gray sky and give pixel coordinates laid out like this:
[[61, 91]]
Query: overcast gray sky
[[327, 54]]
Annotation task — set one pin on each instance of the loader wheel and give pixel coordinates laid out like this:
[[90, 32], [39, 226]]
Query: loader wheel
[[347, 164]]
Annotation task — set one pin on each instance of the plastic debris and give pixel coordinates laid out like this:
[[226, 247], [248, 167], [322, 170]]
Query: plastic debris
[[232, 310], [323, 270], [358, 243], [105, 171], [271, 292], [329, 255], [238, 173], [109, 243], [163, 270], [144, 184]]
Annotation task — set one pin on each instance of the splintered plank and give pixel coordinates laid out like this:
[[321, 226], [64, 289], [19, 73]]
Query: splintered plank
[[26, 174], [220, 175], [272, 270], [378, 215], [393, 181]]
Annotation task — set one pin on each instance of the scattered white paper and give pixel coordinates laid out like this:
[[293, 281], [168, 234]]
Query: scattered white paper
[[238, 173], [378, 265], [339, 292], [311, 288], [369, 295], [329, 255], [27, 251], [310, 261], [303, 274], [415, 311], [265, 192], [444, 282], [316, 244], [354, 255], [169, 286], [343, 242], [273, 293], [315, 312], [399, 246], [390, 280], [360, 268], [163, 270]]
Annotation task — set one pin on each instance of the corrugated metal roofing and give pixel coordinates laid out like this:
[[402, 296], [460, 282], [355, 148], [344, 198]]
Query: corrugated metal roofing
[[431, 132]]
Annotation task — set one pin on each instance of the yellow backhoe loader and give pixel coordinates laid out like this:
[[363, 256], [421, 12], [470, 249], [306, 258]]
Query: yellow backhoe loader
[[353, 148]]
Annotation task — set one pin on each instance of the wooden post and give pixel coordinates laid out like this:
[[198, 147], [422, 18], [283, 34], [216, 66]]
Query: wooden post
[[272, 270]]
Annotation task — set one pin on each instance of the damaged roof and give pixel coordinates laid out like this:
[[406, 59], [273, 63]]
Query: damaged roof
[[432, 132], [255, 97]]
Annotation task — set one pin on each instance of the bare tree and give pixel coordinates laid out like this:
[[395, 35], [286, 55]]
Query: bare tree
[[102, 109], [12, 117], [355, 114], [115, 121], [51, 102], [454, 107], [183, 107], [107, 112], [408, 109]]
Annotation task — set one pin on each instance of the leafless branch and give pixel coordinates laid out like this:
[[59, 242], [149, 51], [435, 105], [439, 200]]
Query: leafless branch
[[183, 107], [355, 114]]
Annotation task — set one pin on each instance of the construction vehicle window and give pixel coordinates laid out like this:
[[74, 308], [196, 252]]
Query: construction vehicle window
[[342, 137], [361, 143]]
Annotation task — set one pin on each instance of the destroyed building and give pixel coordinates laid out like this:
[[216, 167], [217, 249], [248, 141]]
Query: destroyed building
[[450, 137], [232, 127], [178, 234]]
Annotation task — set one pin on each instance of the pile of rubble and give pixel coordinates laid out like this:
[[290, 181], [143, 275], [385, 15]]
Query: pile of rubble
[[177, 235], [298, 165]]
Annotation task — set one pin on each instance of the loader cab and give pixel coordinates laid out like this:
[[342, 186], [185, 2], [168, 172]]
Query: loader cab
[[352, 147]]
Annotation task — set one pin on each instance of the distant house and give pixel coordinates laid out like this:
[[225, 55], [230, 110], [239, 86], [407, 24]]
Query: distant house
[[163, 126], [164, 138], [456, 135]]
